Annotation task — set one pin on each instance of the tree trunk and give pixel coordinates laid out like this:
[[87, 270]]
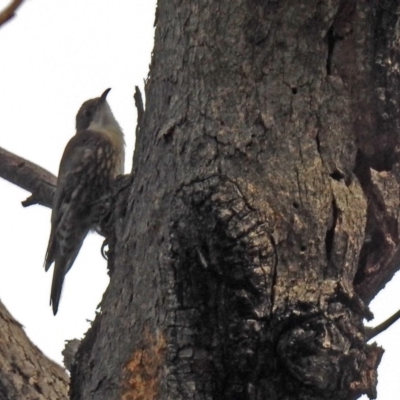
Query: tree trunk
[[261, 217]]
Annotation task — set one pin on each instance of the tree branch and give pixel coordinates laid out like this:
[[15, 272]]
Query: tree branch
[[29, 176], [24, 368], [372, 332], [139, 106], [140, 114], [9, 11]]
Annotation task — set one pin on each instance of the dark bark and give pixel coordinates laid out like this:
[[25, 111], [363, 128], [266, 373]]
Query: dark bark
[[25, 372], [261, 217], [263, 208]]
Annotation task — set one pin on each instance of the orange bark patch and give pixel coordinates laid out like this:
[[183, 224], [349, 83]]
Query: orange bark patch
[[142, 371]]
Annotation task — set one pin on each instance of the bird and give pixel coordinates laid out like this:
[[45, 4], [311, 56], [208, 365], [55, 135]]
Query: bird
[[91, 161]]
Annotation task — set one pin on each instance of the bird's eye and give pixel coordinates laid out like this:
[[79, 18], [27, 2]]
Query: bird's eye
[[88, 113]]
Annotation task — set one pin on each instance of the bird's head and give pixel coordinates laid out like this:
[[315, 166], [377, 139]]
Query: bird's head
[[96, 113]]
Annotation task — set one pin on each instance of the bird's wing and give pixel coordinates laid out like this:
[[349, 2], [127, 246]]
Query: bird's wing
[[78, 181], [78, 164]]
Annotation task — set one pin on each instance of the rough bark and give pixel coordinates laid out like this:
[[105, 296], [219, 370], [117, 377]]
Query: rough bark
[[25, 372], [263, 208], [262, 214]]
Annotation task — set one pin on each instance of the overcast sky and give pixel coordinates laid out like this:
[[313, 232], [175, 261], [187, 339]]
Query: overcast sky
[[54, 55]]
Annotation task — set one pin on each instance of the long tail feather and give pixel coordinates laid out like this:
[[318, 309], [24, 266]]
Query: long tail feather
[[57, 284]]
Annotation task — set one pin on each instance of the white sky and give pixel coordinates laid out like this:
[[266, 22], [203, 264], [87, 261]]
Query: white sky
[[55, 55]]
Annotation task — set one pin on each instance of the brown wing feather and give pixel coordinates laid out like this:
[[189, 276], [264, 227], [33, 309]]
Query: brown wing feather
[[83, 177]]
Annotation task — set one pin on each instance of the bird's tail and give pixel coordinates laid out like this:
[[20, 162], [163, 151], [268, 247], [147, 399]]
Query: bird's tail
[[62, 264], [49, 259], [59, 273], [63, 253]]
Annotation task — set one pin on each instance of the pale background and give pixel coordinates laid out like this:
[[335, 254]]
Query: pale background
[[53, 56]]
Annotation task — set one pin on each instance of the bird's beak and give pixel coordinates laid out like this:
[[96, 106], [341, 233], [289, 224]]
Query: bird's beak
[[104, 95]]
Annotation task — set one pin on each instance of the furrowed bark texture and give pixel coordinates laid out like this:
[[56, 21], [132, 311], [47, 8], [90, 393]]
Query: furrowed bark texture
[[262, 217]]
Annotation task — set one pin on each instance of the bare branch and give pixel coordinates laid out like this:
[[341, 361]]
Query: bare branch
[[139, 106], [29, 176], [372, 332], [140, 113], [9, 11]]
